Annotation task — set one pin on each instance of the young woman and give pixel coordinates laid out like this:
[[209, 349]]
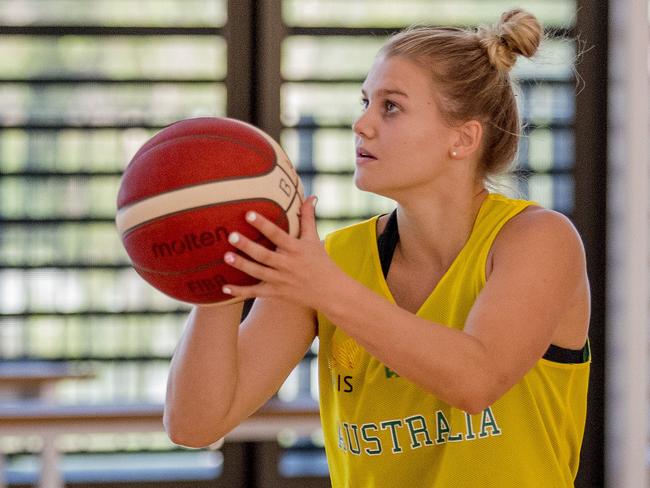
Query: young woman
[[453, 331]]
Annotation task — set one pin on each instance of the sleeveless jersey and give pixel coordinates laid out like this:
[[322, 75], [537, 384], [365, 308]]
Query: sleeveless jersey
[[380, 430]]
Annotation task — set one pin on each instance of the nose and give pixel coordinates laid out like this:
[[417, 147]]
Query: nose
[[363, 125]]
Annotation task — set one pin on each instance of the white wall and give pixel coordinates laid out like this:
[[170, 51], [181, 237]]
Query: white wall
[[628, 342]]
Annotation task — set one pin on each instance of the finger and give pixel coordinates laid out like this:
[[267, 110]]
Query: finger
[[308, 228], [274, 233], [256, 251], [251, 268], [244, 292]]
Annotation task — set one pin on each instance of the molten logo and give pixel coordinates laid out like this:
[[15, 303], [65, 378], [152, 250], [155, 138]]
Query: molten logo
[[189, 243]]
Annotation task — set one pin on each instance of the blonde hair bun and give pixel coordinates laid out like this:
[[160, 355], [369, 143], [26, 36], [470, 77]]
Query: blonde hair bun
[[517, 32]]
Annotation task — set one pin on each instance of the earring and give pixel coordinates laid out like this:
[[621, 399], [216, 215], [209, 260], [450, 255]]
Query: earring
[[454, 153]]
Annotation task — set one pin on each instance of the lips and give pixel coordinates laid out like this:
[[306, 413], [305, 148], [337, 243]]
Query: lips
[[364, 155]]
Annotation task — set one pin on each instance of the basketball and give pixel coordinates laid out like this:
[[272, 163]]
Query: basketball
[[187, 188]]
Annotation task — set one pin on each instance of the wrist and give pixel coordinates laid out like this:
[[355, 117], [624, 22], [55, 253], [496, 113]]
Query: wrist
[[340, 298]]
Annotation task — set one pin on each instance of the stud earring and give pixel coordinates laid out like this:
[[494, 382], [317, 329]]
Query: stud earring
[[454, 153]]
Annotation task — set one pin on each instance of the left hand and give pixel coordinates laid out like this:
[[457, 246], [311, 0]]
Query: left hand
[[299, 270]]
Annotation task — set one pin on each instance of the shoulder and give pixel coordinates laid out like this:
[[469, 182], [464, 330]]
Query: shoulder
[[536, 216], [544, 236], [540, 223]]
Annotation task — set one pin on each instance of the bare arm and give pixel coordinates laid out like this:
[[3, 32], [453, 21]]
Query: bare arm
[[222, 372], [537, 291], [538, 276]]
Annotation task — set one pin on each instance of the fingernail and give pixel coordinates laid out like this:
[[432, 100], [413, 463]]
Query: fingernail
[[229, 258], [314, 201], [251, 216], [226, 290], [233, 238]]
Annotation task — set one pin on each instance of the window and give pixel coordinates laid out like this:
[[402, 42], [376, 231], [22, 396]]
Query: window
[[82, 86]]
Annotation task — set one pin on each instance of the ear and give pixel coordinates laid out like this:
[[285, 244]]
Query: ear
[[468, 139]]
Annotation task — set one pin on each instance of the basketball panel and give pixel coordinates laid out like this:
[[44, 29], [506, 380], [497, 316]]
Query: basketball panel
[[209, 126], [189, 161], [195, 239], [202, 287]]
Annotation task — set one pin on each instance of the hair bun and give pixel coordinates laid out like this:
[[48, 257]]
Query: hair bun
[[517, 32]]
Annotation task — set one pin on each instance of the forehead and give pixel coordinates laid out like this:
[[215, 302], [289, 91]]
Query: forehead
[[400, 74]]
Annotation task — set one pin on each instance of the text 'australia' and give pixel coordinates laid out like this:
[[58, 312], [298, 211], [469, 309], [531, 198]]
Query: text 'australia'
[[414, 432]]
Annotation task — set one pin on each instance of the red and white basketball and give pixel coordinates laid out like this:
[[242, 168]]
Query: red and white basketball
[[187, 189]]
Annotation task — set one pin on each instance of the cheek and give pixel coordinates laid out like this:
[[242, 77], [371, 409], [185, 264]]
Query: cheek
[[421, 146]]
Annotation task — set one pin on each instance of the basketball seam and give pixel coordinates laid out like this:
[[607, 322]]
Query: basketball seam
[[197, 184], [191, 209], [203, 135], [274, 163], [295, 185], [120, 217], [201, 267]]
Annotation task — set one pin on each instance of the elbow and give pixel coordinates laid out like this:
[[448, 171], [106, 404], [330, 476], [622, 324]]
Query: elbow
[[478, 396], [474, 406], [191, 439], [192, 442], [471, 402], [185, 434]]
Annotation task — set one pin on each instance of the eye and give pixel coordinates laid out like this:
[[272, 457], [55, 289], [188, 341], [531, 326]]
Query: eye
[[390, 106], [364, 103]]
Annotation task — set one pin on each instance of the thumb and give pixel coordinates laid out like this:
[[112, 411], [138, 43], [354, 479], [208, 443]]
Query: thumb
[[308, 228]]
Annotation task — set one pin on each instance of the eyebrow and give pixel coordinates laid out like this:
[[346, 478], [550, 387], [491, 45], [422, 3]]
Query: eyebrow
[[387, 91]]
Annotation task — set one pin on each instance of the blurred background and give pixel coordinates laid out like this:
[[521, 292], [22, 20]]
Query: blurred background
[[83, 83]]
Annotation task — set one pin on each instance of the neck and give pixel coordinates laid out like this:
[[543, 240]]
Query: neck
[[434, 230]]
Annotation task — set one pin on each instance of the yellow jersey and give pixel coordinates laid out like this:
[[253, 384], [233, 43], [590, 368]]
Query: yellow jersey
[[380, 430]]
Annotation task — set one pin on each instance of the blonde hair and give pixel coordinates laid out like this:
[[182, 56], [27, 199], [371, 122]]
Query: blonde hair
[[470, 70]]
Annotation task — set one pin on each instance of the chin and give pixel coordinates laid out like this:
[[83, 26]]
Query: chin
[[359, 182], [364, 184]]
